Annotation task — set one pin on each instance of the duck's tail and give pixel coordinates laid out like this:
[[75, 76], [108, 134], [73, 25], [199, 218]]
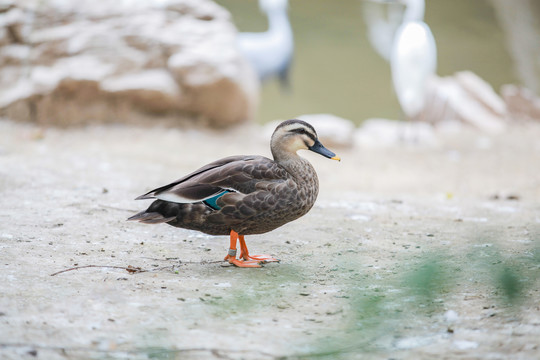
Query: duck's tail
[[150, 218], [155, 214]]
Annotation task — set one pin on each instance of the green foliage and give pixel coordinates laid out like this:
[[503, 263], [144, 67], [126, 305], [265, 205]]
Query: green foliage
[[384, 309], [428, 281], [508, 280]]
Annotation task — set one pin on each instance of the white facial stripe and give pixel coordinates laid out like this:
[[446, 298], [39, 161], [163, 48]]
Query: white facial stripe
[[292, 127], [296, 127], [309, 141]]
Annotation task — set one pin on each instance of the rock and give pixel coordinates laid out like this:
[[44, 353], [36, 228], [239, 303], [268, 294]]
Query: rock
[[521, 102], [21, 90], [379, 133], [119, 61], [451, 316], [214, 86], [154, 90], [13, 54], [465, 345], [469, 100], [12, 22], [481, 91]]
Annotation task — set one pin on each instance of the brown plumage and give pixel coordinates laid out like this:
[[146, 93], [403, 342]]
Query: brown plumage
[[243, 195]]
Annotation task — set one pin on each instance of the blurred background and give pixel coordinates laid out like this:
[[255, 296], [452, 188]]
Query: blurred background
[[428, 247], [336, 70], [66, 63]]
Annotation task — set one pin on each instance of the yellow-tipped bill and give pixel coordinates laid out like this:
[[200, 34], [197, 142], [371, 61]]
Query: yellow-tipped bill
[[318, 148]]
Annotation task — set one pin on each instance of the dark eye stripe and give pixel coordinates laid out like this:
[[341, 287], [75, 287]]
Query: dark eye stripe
[[303, 131]]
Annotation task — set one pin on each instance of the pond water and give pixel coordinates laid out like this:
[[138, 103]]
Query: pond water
[[337, 71]]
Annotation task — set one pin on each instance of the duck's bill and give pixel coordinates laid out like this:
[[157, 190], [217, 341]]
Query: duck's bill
[[320, 149]]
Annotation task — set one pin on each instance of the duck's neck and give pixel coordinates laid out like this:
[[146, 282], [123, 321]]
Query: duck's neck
[[296, 165], [284, 157]]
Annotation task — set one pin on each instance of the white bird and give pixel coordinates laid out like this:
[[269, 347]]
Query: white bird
[[413, 59], [382, 17], [270, 52]]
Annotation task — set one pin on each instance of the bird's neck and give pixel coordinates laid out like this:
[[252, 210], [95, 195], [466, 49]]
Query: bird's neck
[[278, 22], [283, 157], [414, 11], [294, 164]]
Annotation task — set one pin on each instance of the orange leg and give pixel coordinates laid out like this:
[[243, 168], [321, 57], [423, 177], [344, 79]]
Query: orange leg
[[231, 256], [244, 253]]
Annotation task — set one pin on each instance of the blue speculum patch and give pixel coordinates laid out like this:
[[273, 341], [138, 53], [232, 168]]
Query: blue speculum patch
[[212, 202]]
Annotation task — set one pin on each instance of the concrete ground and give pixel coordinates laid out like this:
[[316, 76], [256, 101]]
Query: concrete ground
[[411, 252]]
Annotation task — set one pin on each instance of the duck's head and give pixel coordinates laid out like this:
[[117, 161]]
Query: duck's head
[[293, 135]]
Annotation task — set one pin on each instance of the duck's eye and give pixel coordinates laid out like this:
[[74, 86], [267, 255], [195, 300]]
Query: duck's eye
[[300, 131], [303, 132]]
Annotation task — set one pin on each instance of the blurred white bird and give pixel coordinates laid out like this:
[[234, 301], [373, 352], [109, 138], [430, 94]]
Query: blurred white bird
[[270, 52], [413, 60], [404, 40], [382, 17]]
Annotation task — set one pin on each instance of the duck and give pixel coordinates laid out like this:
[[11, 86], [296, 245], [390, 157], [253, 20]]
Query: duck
[[243, 194]]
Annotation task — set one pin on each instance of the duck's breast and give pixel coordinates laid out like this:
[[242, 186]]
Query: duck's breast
[[281, 202]]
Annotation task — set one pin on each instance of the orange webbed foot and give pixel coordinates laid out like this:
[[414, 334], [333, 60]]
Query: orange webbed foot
[[244, 253], [241, 262], [262, 258], [245, 259], [245, 263]]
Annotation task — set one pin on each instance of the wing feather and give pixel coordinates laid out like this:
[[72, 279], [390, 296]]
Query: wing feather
[[242, 174]]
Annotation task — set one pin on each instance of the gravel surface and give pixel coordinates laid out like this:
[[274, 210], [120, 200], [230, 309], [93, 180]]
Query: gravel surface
[[411, 252]]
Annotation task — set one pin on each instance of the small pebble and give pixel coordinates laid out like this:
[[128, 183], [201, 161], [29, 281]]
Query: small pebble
[[451, 316], [465, 345]]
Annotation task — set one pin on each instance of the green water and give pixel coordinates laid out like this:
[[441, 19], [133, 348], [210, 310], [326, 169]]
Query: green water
[[337, 71]]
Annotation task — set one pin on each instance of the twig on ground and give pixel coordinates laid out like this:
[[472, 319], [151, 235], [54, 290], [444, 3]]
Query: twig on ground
[[130, 269], [202, 262], [133, 270]]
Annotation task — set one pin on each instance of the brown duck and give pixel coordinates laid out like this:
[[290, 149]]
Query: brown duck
[[245, 194]]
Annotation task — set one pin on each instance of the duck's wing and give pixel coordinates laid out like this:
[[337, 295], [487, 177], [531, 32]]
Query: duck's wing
[[242, 174]]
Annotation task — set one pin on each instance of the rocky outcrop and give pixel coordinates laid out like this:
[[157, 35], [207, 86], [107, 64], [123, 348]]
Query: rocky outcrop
[[383, 133], [522, 103], [66, 62], [467, 98]]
